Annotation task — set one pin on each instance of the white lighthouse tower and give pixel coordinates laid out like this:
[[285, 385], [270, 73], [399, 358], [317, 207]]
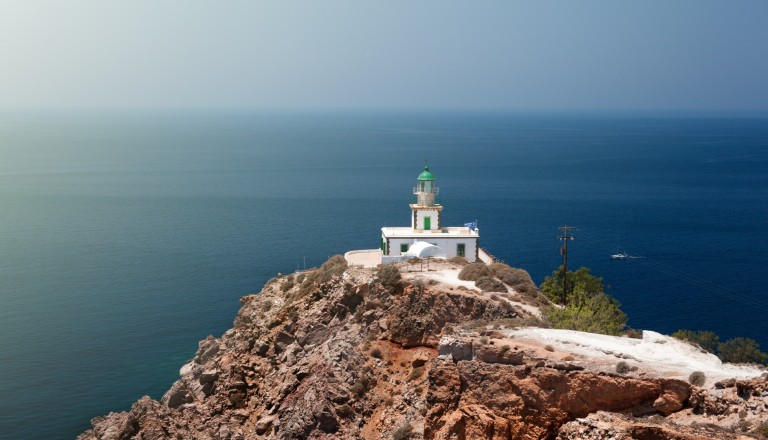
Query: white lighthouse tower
[[427, 237], [426, 214]]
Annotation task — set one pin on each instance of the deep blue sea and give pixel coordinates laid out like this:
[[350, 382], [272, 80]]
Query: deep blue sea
[[126, 237]]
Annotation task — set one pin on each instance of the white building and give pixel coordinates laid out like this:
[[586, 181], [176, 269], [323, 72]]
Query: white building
[[426, 237]]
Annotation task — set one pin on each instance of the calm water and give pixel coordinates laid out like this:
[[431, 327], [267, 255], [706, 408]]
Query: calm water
[[127, 237]]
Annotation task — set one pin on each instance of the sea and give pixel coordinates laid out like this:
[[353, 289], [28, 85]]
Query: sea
[[126, 236]]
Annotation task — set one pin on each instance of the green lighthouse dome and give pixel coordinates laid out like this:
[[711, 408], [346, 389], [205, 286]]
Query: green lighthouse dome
[[426, 174]]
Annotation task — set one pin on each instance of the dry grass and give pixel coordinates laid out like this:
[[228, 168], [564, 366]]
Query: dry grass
[[518, 279], [344, 411], [313, 279], [761, 431], [416, 373], [390, 278], [489, 284], [474, 271], [697, 378], [622, 367], [403, 433]]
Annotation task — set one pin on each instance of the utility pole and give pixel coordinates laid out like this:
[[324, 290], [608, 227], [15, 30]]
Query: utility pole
[[564, 252]]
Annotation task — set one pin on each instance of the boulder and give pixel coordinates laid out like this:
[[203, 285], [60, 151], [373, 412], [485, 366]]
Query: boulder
[[494, 354], [457, 349], [207, 348], [177, 395], [208, 376], [673, 398]]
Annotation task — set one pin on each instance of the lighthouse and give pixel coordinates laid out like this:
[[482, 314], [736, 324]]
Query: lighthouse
[[426, 214], [427, 237]]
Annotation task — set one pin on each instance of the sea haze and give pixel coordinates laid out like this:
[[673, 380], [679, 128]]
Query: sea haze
[[128, 236]]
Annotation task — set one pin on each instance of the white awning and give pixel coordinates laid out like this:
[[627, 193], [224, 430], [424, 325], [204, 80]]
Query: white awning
[[422, 249]]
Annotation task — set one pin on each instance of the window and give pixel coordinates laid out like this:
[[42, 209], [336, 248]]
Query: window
[[460, 249], [404, 248]]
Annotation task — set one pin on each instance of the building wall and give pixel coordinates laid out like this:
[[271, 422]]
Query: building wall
[[448, 244], [435, 219]]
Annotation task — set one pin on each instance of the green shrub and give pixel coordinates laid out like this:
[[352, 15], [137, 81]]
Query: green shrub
[[697, 378], [736, 350], [474, 271], [598, 314], [741, 350], [586, 306], [376, 352], [505, 348], [622, 367], [580, 284], [704, 339], [490, 284]]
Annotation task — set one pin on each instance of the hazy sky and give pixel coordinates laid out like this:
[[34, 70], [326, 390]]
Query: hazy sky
[[610, 54]]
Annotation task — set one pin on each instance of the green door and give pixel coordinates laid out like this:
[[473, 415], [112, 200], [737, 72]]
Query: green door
[[460, 249], [403, 248], [427, 222]]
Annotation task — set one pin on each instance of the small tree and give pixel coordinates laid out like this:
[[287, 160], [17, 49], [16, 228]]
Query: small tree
[[586, 306], [581, 284]]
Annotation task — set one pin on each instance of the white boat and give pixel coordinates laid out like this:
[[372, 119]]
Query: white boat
[[620, 255]]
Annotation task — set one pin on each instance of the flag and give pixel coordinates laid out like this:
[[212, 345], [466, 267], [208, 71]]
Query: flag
[[471, 225]]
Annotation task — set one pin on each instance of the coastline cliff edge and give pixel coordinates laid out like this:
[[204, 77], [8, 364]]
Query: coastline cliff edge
[[394, 353]]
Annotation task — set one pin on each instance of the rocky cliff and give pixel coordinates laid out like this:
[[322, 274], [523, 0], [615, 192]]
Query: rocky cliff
[[351, 353]]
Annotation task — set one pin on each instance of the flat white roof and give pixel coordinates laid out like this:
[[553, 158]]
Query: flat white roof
[[449, 232], [365, 257]]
